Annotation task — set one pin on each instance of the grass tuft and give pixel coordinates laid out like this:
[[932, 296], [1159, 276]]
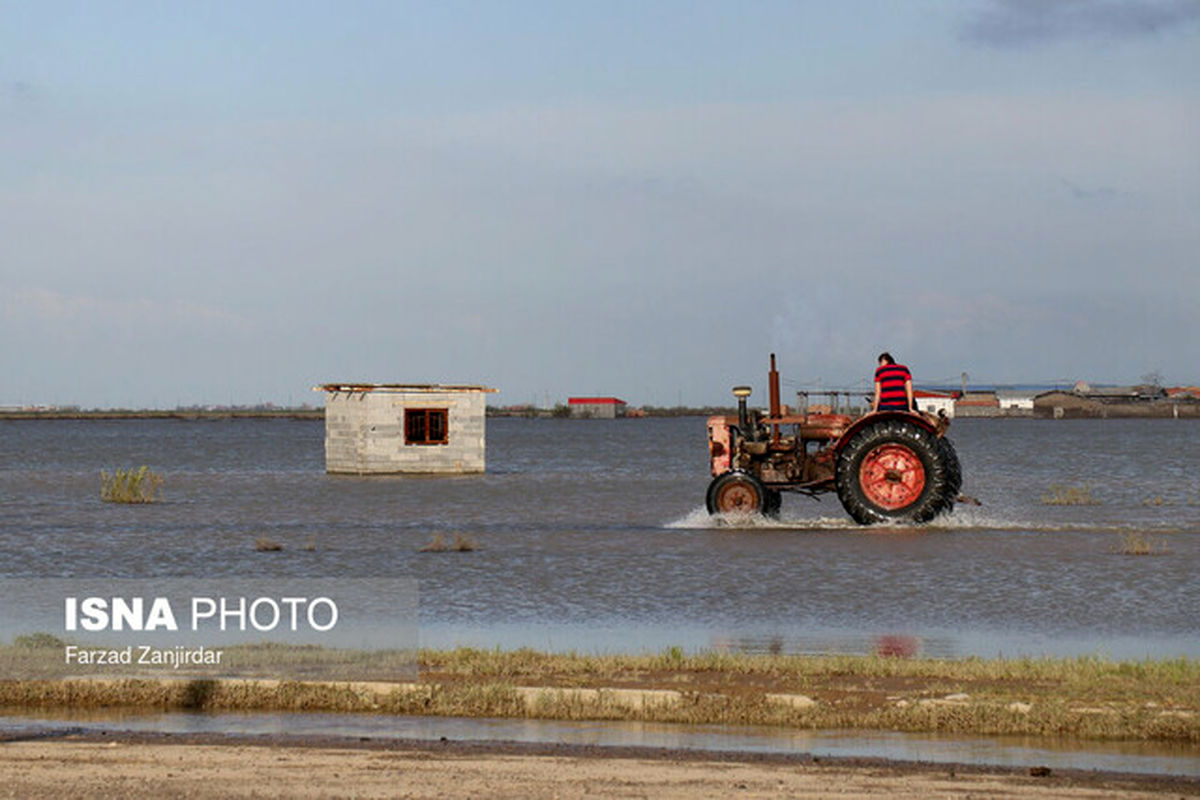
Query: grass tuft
[[265, 544], [129, 485], [461, 544], [1065, 495], [1136, 543]]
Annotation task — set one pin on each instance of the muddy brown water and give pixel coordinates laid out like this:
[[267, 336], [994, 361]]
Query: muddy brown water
[[591, 535]]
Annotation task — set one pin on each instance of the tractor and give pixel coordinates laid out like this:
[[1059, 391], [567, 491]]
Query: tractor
[[887, 466]]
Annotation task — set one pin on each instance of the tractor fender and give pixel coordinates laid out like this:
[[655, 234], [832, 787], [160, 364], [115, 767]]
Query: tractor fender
[[919, 420]]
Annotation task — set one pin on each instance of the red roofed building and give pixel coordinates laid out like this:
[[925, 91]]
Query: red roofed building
[[596, 407], [934, 402]]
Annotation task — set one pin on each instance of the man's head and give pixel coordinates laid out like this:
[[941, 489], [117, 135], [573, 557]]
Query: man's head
[[886, 359]]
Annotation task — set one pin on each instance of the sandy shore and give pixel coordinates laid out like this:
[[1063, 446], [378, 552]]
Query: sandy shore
[[131, 765]]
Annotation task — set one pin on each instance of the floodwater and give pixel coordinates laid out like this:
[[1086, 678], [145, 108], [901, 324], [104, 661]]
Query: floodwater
[[591, 536], [1147, 758]]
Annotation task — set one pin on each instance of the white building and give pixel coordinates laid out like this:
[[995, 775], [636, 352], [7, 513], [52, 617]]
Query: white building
[[379, 428], [1015, 400]]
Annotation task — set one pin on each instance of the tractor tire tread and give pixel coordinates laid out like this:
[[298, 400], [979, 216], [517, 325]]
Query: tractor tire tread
[[938, 478]]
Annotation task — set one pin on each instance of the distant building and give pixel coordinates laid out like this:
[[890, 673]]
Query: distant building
[[977, 404], [1015, 401], [1065, 405], [596, 407], [1124, 394], [379, 428], [934, 402]]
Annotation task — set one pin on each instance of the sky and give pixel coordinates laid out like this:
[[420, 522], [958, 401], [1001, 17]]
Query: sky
[[229, 203]]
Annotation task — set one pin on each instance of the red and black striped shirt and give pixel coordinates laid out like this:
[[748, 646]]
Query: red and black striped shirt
[[891, 379]]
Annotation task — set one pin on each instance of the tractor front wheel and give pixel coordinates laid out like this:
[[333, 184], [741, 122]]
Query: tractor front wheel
[[737, 493], [893, 471]]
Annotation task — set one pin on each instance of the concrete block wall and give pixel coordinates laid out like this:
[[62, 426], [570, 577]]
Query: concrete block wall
[[364, 432], [594, 411]]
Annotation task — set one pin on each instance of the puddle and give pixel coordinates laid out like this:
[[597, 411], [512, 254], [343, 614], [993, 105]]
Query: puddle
[[1131, 757]]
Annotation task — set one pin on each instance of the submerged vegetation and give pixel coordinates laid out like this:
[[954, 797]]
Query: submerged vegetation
[[1091, 698], [461, 544], [265, 544], [1066, 495], [1136, 543], [130, 485]]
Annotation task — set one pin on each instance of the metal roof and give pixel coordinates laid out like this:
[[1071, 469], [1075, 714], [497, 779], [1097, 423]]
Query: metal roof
[[401, 387]]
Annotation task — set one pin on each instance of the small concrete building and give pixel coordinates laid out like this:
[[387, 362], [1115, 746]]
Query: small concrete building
[[1015, 402], [596, 407], [381, 428]]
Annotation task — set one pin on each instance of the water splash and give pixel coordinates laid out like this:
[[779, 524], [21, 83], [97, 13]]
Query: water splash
[[700, 519], [961, 519]]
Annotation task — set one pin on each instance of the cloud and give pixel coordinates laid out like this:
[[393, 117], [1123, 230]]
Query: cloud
[[17, 94], [1016, 23], [1089, 192], [48, 307], [603, 251]]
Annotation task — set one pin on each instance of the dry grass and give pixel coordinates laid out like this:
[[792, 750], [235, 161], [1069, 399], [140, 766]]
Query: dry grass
[[461, 544], [1079, 674], [1066, 495], [130, 485], [265, 544], [1089, 698], [1136, 543]]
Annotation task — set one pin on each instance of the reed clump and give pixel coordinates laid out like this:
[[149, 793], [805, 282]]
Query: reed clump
[[1067, 495], [130, 485], [265, 544], [1137, 543]]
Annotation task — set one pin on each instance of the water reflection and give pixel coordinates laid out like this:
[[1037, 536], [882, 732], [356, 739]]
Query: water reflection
[[1133, 757]]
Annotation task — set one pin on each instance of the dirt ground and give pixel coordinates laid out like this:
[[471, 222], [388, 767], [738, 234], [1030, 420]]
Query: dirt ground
[[132, 765]]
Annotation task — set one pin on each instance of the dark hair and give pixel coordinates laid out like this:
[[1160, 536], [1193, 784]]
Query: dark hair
[[886, 357]]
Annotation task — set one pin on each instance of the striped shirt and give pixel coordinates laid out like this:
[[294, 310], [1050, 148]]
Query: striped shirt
[[891, 379]]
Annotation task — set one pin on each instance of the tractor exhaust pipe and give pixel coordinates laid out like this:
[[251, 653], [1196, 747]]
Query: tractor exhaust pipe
[[773, 388], [773, 381], [741, 393]]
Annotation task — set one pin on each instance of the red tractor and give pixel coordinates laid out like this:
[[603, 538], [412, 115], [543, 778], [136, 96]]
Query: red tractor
[[885, 466]]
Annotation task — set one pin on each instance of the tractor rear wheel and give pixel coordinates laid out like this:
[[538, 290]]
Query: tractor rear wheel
[[893, 471], [736, 492], [953, 473]]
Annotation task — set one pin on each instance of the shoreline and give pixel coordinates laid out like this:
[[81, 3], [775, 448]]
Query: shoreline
[[1084, 698], [38, 764]]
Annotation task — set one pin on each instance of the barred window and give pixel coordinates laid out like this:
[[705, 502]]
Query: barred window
[[425, 426]]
